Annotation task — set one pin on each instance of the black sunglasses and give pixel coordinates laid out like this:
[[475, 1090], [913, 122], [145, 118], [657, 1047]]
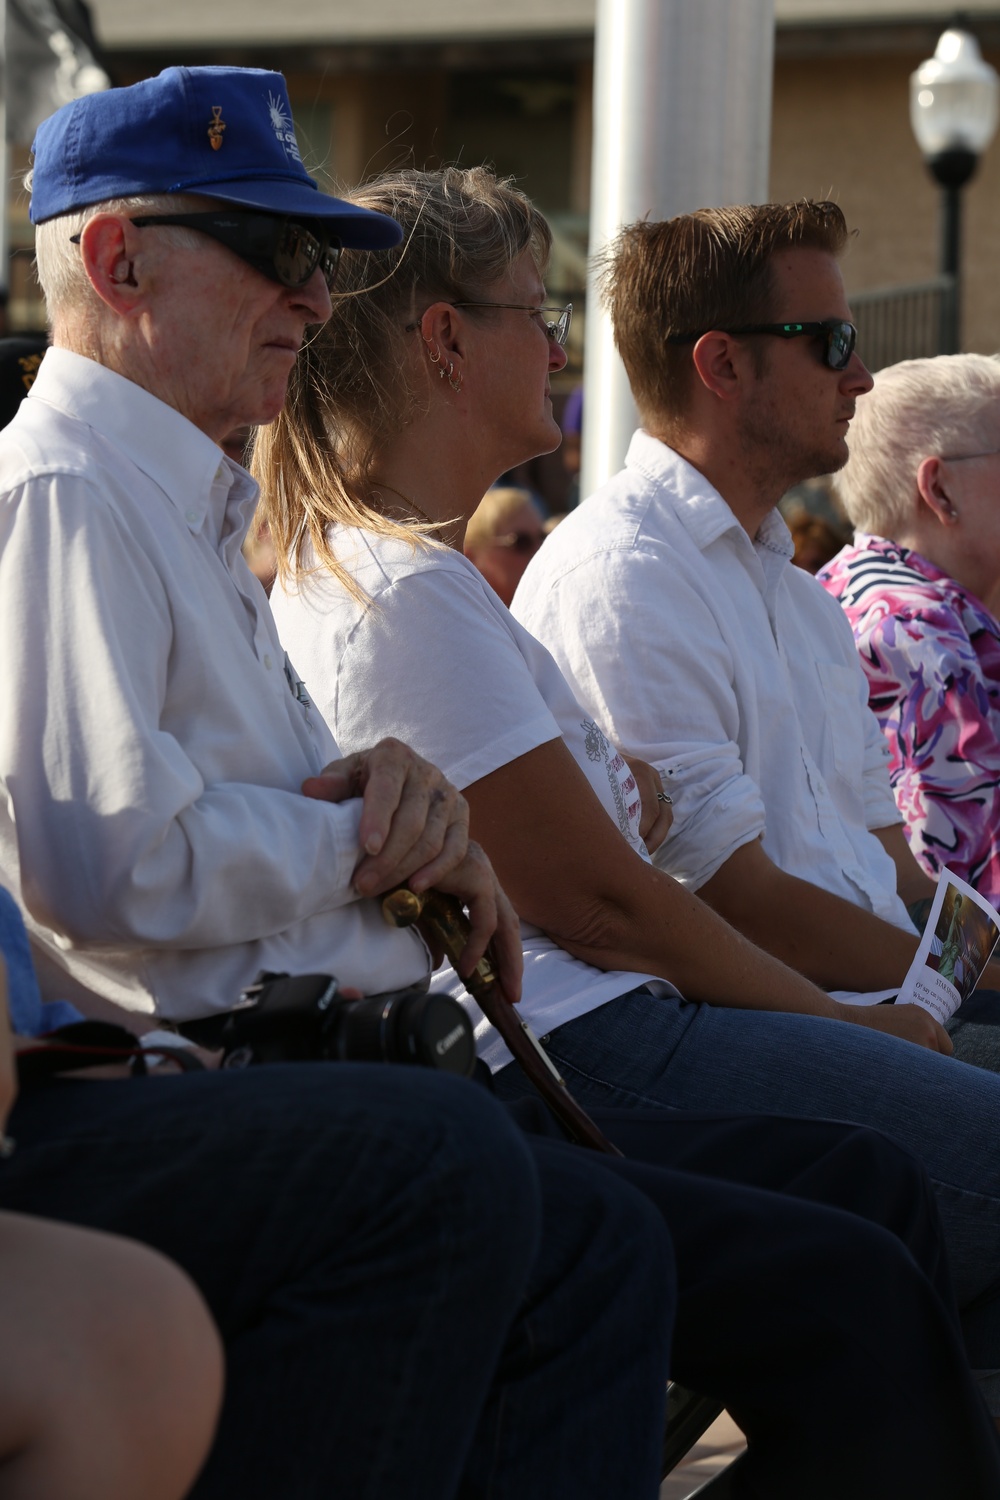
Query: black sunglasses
[[285, 250], [840, 337], [520, 541]]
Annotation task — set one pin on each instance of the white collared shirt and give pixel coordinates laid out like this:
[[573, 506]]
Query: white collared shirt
[[152, 745], [729, 669]]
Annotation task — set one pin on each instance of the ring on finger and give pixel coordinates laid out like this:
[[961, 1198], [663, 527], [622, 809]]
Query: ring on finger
[[665, 797]]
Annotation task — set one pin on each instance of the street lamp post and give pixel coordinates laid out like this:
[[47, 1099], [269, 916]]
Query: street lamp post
[[953, 111]]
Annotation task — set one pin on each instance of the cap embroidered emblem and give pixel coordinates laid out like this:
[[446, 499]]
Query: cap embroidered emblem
[[281, 124], [217, 126]]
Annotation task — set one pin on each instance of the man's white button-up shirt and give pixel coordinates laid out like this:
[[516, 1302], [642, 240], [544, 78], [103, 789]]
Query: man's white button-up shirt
[[709, 655], [151, 751]]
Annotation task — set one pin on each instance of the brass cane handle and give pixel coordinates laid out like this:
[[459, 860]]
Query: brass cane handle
[[444, 919]]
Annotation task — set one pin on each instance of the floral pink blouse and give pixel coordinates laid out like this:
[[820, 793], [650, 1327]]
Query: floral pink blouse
[[931, 651]]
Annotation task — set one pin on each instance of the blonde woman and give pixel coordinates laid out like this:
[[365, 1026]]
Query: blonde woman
[[430, 380]]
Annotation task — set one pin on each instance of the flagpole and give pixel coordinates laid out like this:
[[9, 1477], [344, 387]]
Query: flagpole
[[682, 120]]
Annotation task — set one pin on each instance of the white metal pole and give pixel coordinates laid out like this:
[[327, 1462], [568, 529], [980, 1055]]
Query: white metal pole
[[682, 120]]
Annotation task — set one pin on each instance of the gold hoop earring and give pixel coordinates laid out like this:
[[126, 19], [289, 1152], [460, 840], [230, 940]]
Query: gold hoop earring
[[456, 385]]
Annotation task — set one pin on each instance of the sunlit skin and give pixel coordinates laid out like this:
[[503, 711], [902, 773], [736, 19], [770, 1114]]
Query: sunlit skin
[[955, 523], [514, 379], [766, 417], [798, 415], [499, 417], [202, 330]]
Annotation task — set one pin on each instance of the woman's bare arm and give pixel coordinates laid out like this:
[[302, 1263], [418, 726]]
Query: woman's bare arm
[[568, 870]]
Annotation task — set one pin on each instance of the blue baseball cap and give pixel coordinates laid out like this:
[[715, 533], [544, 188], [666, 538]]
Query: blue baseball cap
[[221, 133]]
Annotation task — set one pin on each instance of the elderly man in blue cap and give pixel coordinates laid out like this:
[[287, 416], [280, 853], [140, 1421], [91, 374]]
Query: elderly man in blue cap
[[370, 1240], [415, 1298], [183, 252]]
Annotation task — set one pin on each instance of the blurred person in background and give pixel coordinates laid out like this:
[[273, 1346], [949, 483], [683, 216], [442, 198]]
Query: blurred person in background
[[502, 536], [815, 540], [571, 449], [20, 359]]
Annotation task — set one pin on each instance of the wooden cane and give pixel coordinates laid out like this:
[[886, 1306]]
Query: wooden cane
[[443, 919], [446, 925]]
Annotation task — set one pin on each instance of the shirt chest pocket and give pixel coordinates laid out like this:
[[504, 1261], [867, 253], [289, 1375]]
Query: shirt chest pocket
[[837, 732]]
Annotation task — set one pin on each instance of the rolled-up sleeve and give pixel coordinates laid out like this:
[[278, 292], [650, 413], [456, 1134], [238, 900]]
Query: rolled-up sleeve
[[622, 633]]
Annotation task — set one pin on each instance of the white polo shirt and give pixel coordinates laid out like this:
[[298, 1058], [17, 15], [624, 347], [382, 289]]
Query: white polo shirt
[[151, 743], [732, 671]]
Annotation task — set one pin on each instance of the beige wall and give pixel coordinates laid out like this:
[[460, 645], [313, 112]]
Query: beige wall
[[841, 130]]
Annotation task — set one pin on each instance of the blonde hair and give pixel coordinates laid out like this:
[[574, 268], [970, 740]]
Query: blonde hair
[[353, 388], [494, 513]]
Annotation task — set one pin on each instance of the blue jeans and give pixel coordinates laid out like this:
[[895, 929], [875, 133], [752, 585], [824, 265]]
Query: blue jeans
[[414, 1302], [785, 1305], [639, 1051], [418, 1300]]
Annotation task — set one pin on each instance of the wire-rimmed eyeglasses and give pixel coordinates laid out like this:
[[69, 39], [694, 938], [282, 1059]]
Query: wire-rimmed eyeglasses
[[556, 320]]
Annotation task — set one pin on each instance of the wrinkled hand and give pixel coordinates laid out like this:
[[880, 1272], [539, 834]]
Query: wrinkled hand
[[414, 824], [492, 920], [911, 1022], [656, 816]]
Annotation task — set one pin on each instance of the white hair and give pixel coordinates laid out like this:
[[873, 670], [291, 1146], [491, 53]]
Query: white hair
[[58, 263], [946, 407]]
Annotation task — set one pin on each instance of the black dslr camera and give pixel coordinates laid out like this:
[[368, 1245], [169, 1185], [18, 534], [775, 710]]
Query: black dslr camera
[[303, 1017]]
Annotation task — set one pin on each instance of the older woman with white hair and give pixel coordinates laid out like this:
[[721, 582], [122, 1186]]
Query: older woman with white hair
[[921, 587]]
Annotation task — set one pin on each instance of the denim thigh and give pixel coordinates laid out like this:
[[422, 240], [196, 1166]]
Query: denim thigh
[[642, 1051]]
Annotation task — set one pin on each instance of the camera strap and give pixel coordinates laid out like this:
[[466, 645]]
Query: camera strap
[[93, 1044]]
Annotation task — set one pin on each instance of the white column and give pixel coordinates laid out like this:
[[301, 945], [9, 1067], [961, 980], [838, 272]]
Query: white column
[[682, 120]]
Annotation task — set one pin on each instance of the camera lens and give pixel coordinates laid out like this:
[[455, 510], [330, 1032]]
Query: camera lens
[[411, 1027]]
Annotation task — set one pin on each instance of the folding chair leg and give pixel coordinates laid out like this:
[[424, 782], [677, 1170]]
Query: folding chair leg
[[688, 1416]]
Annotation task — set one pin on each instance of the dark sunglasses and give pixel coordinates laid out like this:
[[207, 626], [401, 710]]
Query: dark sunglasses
[[285, 250], [519, 541], [840, 337]]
